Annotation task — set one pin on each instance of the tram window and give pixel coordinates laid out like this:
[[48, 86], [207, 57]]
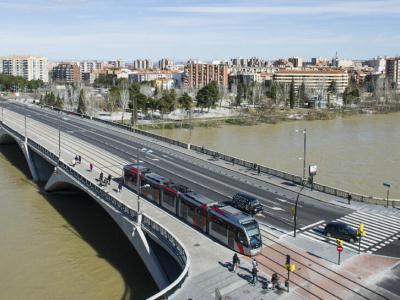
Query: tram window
[[169, 199], [241, 237], [190, 211], [219, 226]]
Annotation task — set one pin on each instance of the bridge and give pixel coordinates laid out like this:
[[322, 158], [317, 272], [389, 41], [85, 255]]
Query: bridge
[[51, 139]]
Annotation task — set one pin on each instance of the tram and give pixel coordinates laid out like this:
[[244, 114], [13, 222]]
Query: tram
[[226, 224]]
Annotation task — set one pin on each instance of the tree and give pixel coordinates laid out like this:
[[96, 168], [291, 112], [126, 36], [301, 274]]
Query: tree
[[302, 93], [185, 101], [81, 103], [332, 88], [202, 98], [59, 102], [239, 94], [124, 96], [291, 94]]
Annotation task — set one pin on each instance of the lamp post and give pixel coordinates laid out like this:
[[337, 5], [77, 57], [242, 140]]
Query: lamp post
[[59, 136], [388, 186], [26, 137], [138, 185], [295, 210], [304, 152]]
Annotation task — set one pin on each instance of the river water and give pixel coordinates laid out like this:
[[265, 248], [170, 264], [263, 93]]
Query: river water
[[356, 153], [61, 247]]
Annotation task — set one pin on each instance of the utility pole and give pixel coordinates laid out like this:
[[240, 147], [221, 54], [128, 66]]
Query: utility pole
[[295, 211], [59, 136], [305, 152], [26, 137], [138, 186]]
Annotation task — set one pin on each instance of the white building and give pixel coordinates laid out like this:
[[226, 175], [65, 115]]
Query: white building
[[313, 79], [28, 67], [88, 66], [378, 64]]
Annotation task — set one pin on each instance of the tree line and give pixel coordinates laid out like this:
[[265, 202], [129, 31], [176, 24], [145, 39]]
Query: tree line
[[11, 83]]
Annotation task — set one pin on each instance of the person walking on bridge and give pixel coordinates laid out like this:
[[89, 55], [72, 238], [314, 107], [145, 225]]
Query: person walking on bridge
[[119, 187], [235, 262], [101, 176], [90, 167], [109, 179]]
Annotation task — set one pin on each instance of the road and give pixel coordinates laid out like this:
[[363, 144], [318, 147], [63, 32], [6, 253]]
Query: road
[[200, 175]]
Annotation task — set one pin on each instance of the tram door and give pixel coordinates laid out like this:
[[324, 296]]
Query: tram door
[[231, 237]]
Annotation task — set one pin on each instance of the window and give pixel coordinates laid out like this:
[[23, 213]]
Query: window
[[219, 226], [169, 199]]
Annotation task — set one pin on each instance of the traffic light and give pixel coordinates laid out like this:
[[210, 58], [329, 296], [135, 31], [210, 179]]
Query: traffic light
[[339, 243], [292, 268], [361, 230], [287, 264]]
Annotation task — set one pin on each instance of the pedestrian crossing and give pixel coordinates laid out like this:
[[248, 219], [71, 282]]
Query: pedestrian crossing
[[380, 230]]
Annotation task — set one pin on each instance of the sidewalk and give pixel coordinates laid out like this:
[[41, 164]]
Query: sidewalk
[[356, 277]]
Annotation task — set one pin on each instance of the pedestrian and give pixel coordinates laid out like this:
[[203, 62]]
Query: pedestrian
[[101, 176], [202, 149], [255, 166], [258, 170], [76, 158], [254, 272], [275, 281], [235, 262], [119, 187], [80, 159], [90, 167], [349, 198], [73, 162], [254, 263], [109, 179]]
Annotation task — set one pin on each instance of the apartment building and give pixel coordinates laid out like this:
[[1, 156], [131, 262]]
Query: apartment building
[[149, 75], [165, 63], [28, 67], [313, 79], [198, 75], [142, 64], [67, 72], [393, 71]]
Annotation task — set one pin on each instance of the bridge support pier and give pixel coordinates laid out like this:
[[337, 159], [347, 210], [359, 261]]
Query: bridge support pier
[[5, 138], [59, 180]]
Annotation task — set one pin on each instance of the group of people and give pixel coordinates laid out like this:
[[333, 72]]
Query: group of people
[[275, 282], [104, 180], [76, 160]]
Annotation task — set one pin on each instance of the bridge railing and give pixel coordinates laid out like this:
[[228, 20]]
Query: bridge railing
[[280, 174], [147, 223]]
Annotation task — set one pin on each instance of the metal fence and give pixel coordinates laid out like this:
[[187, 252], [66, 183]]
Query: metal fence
[[147, 223]]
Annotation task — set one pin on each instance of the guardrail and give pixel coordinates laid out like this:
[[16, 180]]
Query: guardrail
[[147, 223], [287, 176]]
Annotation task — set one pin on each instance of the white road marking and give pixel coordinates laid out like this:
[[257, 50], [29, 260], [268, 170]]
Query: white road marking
[[312, 225]]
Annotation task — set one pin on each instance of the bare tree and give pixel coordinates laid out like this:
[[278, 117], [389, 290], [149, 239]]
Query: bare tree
[[124, 95]]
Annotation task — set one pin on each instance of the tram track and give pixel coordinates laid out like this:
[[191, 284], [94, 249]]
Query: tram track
[[309, 266]]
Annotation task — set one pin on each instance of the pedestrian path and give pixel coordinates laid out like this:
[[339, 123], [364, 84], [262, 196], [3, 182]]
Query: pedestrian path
[[380, 230]]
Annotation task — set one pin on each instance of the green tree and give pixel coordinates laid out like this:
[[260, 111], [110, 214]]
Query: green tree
[[291, 94], [81, 103], [185, 101], [59, 102], [202, 98], [239, 93], [332, 88]]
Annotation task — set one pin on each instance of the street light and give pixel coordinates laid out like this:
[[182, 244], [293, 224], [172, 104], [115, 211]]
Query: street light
[[25, 116], [305, 152], [295, 209], [388, 186]]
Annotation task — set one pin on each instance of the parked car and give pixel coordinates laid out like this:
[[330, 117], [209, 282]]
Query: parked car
[[341, 231], [246, 203]]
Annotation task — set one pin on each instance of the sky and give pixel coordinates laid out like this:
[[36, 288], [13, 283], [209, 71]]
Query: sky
[[199, 29]]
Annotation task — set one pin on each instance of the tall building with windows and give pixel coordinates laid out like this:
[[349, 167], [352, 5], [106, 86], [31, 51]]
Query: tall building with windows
[[165, 63], [393, 71], [142, 64], [67, 72], [198, 75], [28, 67], [313, 79]]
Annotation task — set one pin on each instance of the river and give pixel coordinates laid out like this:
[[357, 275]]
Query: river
[[61, 247], [356, 153]]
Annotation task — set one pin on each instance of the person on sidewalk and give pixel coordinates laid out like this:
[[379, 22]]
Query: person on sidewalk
[[275, 281], [254, 263], [235, 262], [254, 272], [79, 159], [258, 170], [109, 179], [101, 176], [119, 187], [90, 167], [73, 162]]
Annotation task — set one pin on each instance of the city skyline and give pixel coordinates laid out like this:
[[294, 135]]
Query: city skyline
[[86, 29]]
